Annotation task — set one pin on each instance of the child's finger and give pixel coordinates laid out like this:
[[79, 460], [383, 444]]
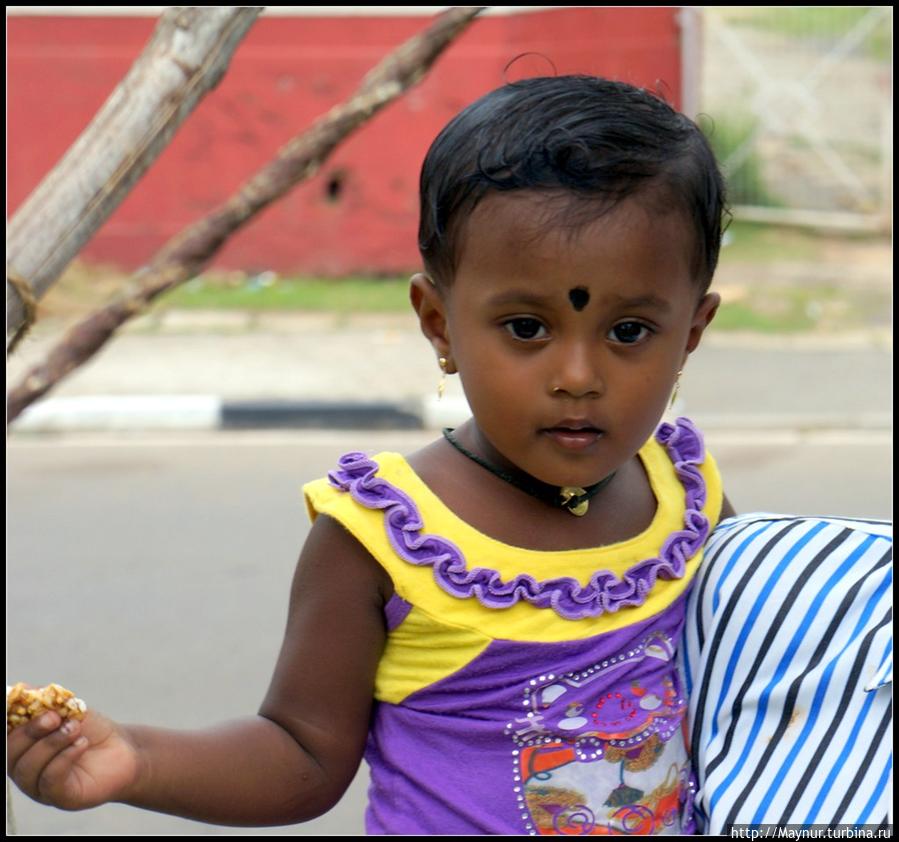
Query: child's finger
[[55, 784], [21, 739], [38, 745]]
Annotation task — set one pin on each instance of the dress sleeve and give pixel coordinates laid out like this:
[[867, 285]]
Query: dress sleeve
[[364, 524]]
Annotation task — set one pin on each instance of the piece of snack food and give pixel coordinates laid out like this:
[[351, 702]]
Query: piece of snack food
[[24, 704]]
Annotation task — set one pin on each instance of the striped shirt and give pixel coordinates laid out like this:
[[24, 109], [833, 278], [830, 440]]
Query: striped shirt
[[788, 661]]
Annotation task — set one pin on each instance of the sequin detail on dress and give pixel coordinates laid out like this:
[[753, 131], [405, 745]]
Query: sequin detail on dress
[[600, 750]]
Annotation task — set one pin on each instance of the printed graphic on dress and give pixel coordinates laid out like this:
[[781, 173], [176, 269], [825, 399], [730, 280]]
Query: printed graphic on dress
[[602, 750]]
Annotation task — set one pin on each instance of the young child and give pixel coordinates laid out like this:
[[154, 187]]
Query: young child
[[509, 596]]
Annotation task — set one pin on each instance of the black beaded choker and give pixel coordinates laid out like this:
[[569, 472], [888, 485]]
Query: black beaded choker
[[572, 498]]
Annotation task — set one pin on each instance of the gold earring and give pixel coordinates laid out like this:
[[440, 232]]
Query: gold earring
[[441, 386], [676, 388]]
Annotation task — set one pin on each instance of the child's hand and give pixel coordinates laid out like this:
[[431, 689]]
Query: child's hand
[[81, 765]]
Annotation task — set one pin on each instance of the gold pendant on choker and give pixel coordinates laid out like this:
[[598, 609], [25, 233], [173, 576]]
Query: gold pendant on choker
[[570, 495]]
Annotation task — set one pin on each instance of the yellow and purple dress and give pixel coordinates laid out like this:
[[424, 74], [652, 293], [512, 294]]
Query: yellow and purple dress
[[522, 691]]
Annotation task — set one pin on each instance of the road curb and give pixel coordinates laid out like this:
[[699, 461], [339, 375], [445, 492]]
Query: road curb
[[97, 413], [208, 412], [283, 414]]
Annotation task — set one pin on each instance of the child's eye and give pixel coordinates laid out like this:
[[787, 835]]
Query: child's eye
[[525, 328], [629, 333]]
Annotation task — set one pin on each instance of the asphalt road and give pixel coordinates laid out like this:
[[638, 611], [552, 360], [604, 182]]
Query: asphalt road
[[151, 575]]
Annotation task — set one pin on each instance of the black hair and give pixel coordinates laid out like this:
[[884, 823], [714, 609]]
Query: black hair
[[589, 138]]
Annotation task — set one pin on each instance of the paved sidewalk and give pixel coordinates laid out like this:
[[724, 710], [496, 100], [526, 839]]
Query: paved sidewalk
[[236, 370]]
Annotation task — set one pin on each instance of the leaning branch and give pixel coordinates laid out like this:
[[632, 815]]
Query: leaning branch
[[187, 253]]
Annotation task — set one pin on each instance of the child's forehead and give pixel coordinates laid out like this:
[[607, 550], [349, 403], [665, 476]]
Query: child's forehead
[[526, 240], [526, 211], [528, 224]]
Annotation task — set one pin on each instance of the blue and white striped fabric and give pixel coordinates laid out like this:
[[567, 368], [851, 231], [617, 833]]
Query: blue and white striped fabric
[[788, 661]]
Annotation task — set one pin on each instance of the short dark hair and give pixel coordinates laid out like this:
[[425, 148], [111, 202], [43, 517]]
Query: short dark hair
[[595, 140]]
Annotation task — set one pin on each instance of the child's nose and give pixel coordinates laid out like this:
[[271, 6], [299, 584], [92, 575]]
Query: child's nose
[[577, 372]]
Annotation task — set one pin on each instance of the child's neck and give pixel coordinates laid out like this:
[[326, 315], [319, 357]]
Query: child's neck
[[499, 510], [573, 499]]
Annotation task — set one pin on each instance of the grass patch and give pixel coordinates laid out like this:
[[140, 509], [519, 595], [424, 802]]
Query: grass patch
[[748, 242], [740, 316], [269, 293], [784, 309]]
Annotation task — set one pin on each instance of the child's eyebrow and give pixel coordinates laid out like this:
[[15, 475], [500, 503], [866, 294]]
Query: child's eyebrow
[[644, 301], [520, 296]]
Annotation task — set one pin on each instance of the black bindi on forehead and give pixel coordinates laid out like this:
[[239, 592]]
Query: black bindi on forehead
[[579, 298]]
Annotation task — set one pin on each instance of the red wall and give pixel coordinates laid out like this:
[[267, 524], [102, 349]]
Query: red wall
[[287, 72]]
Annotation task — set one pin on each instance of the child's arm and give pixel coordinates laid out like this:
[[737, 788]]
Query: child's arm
[[290, 763]]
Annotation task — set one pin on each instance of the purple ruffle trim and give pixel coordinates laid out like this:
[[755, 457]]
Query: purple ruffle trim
[[604, 592]]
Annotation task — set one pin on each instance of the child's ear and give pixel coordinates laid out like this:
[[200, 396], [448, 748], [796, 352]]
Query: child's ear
[[702, 317], [431, 308]]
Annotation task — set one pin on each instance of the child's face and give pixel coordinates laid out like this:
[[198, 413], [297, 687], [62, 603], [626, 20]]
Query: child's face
[[568, 346]]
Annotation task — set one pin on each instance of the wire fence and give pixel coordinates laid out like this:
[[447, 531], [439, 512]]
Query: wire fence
[[799, 108]]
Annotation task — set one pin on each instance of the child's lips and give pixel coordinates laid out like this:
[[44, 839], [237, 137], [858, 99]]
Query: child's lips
[[574, 435]]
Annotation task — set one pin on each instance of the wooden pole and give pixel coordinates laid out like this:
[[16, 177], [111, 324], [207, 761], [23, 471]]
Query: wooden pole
[[184, 60]]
